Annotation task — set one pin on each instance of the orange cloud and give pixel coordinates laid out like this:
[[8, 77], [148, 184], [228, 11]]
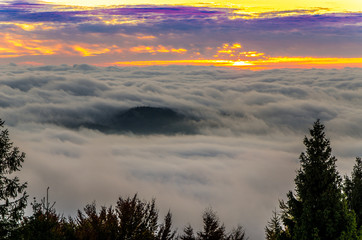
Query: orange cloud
[[233, 51], [252, 54], [146, 37], [12, 45], [203, 62], [305, 62], [158, 49], [15, 45], [90, 50]]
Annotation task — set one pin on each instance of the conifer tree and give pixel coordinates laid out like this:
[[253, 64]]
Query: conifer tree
[[353, 190], [317, 209], [212, 228], [13, 196], [137, 219], [237, 233], [188, 233], [274, 229], [165, 232]]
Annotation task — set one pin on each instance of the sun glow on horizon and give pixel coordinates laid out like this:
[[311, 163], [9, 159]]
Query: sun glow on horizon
[[261, 64]]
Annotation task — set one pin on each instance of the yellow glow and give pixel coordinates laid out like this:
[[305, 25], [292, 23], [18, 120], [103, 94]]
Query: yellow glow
[[236, 45], [26, 27], [158, 49], [87, 52], [208, 62], [246, 5], [242, 63], [225, 51], [146, 37], [12, 45], [16, 45], [270, 63], [117, 21], [30, 27], [252, 54], [310, 60], [306, 62]]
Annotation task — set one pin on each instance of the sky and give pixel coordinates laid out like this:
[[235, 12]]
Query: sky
[[254, 34], [196, 104]]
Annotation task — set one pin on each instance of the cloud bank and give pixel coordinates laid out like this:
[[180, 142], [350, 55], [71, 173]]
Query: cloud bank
[[212, 136], [52, 34]]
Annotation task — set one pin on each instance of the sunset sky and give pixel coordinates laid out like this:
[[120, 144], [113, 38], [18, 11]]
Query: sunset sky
[[253, 34]]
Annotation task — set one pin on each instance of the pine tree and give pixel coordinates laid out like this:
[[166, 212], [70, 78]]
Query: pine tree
[[45, 223], [13, 196], [165, 232], [212, 228], [274, 229], [237, 233], [353, 190], [316, 210], [137, 219], [188, 233]]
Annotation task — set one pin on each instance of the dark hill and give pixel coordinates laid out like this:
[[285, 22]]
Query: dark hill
[[146, 120]]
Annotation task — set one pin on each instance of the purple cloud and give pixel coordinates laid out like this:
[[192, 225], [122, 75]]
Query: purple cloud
[[196, 29]]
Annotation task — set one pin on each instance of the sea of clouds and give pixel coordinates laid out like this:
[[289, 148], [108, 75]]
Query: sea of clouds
[[239, 158]]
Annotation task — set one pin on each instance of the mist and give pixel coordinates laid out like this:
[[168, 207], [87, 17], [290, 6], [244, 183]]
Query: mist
[[192, 137]]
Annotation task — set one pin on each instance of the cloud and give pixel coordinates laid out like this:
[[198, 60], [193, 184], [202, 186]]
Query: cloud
[[221, 137], [56, 34]]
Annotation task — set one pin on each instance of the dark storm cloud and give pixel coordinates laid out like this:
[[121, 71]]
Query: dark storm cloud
[[238, 154]]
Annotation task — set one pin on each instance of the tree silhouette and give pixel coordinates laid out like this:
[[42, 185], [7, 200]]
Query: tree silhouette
[[13, 197], [274, 228], [45, 223], [188, 233], [237, 233], [138, 219], [212, 229], [165, 232], [317, 209], [353, 190], [93, 226]]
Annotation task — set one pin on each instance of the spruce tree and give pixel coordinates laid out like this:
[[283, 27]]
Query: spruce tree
[[212, 228], [317, 208], [188, 233], [13, 196], [274, 229], [353, 190], [165, 232]]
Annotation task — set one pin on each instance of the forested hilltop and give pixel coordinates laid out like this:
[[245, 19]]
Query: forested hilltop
[[323, 206]]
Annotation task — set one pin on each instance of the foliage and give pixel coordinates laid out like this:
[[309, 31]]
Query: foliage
[[138, 219], [316, 210], [320, 208], [274, 229], [353, 190], [237, 233], [165, 232], [45, 223], [91, 225], [13, 197], [188, 233], [212, 228]]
